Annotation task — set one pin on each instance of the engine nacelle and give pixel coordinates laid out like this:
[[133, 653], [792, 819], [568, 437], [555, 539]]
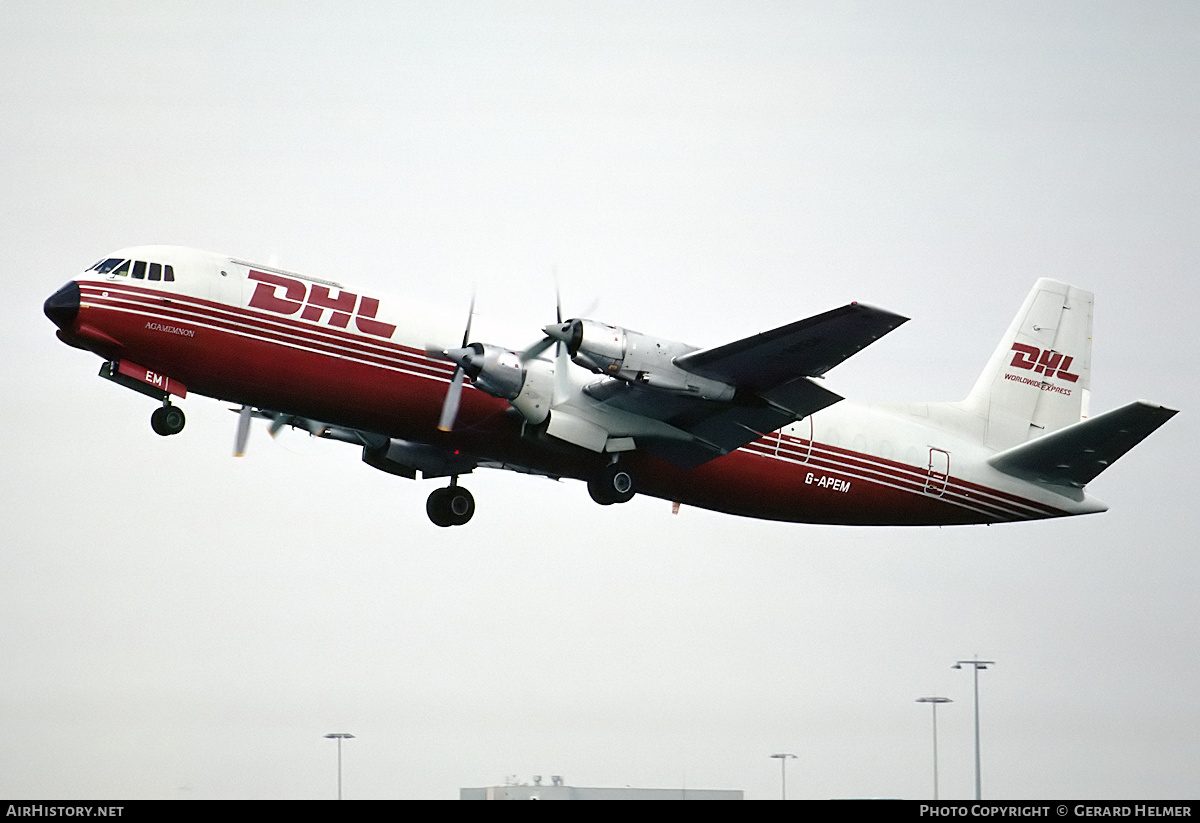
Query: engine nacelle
[[492, 369], [596, 346], [537, 394], [501, 373], [634, 357]]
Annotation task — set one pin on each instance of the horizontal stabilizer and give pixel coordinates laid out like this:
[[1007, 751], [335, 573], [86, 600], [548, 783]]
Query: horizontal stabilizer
[[1074, 455]]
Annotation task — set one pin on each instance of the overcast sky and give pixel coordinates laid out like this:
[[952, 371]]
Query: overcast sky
[[175, 623]]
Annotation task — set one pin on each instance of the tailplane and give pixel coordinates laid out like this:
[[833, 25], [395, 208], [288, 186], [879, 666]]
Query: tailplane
[[1038, 378], [1075, 455]]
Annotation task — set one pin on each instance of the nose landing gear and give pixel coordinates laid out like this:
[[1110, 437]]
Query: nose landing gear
[[167, 419], [451, 506]]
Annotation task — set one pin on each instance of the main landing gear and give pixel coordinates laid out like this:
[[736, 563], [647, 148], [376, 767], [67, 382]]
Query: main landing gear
[[614, 484], [454, 505], [451, 506], [167, 419]]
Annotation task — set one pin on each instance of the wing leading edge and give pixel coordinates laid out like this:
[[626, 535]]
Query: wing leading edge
[[806, 348]]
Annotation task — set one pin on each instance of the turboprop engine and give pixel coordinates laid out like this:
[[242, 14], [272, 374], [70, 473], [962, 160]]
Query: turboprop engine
[[534, 385], [634, 357], [528, 385], [495, 370]]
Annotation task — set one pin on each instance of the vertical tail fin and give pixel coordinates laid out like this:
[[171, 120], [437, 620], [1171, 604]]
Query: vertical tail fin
[[1038, 378]]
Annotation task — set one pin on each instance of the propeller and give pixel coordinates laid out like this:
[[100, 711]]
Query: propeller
[[547, 341], [570, 333], [243, 431], [536, 349], [491, 372], [562, 360], [454, 393], [566, 338], [278, 421]]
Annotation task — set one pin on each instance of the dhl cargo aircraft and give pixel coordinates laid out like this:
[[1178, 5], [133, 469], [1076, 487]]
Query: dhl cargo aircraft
[[743, 428]]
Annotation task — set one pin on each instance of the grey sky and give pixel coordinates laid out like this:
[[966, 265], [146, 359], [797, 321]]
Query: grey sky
[[176, 623]]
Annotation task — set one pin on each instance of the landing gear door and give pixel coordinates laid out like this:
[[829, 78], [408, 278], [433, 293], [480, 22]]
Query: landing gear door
[[939, 472]]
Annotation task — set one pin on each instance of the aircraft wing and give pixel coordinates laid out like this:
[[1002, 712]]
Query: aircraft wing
[[771, 373], [806, 348]]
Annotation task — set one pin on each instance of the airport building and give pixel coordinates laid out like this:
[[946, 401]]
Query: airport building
[[558, 790]]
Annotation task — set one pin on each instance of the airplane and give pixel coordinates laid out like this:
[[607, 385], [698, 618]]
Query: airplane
[[745, 428]]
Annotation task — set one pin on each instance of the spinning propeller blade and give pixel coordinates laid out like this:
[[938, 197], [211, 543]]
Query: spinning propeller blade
[[277, 423], [454, 393], [547, 341], [452, 401], [536, 349], [243, 431], [562, 368]]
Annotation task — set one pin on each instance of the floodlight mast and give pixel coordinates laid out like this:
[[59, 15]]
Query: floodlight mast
[[934, 701], [977, 664], [339, 736], [783, 758]]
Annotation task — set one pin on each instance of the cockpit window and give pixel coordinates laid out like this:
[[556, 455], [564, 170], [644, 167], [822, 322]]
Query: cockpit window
[[120, 267], [108, 265]]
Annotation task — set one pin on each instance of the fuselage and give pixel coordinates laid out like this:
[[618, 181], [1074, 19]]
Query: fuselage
[[258, 336]]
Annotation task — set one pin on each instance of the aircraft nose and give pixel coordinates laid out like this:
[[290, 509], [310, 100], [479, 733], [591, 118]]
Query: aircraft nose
[[63, 306]]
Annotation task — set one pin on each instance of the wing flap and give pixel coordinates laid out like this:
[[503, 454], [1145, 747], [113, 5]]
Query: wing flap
[[1075, 455], [801, 396], [718, 427]]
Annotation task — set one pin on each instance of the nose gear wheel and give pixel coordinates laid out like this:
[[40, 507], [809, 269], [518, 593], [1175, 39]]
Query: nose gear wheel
[[167, 420], [451, 506]]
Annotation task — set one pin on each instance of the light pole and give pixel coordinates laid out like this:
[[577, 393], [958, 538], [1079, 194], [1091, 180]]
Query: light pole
[[783, 758], [977, 664], [339, 736], [934, 701]]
